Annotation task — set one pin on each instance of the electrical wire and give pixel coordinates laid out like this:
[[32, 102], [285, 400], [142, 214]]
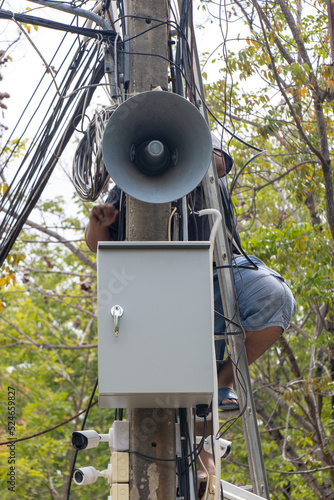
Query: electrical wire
[[38, 174], [192, 455], [243, 168], [76, 451], [89, 173], [105, 35], [63, 115], [183, 478], [51, 428]]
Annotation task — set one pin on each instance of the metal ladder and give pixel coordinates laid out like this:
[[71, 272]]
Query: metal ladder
[[227, 288]]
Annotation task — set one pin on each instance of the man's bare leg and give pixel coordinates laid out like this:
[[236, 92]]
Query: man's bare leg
[[257, 342]]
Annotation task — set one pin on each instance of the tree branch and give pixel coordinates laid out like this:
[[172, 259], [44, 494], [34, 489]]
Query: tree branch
[[297, 328], [279, 400], [21, 332], [50, 346], [62, 240], [323, 492], [287, 172]]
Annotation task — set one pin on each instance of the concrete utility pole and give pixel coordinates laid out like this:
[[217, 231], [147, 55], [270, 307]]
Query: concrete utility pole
[[152, 431]]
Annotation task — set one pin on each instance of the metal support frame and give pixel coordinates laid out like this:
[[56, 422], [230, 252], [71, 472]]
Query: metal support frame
[[75, 11], [232, 492], [230, 306]]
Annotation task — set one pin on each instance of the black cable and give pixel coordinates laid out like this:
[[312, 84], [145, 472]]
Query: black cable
[[38, 159], [183, 29], [42, 131], [197, 449], [160, 22], [192, 455], [171, 65], [183, 478], [182, 46], [229, 131], [192, 202], [89, 173], [26, 107], [106, 5], [194, 467], [229, 321], [242, 383], [243, 168], [121, 216], [76, 451], [50, 130], [104, 35]]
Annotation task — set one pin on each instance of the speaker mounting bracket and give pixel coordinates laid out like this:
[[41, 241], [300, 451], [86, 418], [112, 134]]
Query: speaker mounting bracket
[[124, 63]]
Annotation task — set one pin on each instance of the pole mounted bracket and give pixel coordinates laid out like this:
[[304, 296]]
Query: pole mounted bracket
[[124, 63]]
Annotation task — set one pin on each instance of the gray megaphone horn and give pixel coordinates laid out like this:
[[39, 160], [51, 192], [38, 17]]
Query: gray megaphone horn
[[157, 146]]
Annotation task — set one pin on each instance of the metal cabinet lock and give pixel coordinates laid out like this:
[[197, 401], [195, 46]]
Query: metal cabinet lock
[[116, 312]]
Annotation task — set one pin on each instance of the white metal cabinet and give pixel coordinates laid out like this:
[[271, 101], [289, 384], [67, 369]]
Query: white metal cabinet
[[163, 355]]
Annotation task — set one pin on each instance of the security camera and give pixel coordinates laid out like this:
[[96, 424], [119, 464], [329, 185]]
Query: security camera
[[82, 440], [88, 475], [224, 447], [85, 475], [117, 438]]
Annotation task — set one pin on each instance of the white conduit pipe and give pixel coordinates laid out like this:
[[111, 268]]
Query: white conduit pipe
[[215, 418]]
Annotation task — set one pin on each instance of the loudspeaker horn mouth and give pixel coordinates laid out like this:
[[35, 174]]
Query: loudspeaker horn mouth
[[151, 157], [157, 146]]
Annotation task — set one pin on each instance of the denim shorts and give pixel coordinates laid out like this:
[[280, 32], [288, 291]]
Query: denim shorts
[[264, 299]]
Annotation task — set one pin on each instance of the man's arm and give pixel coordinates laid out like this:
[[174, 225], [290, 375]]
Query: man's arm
[[100, 218]]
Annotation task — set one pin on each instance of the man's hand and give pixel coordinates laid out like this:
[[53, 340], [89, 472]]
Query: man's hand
[[100, 217], [104, 214]]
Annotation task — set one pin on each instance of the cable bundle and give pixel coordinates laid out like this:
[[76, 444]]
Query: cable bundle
[[89, 173]]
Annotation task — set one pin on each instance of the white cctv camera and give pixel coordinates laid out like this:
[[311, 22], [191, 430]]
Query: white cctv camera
[[88, 475], [85, 475], [224, 445], [82, 440]]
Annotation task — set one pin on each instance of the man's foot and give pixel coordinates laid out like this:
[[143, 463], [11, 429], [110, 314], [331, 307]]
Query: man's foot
[[227, 399]]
